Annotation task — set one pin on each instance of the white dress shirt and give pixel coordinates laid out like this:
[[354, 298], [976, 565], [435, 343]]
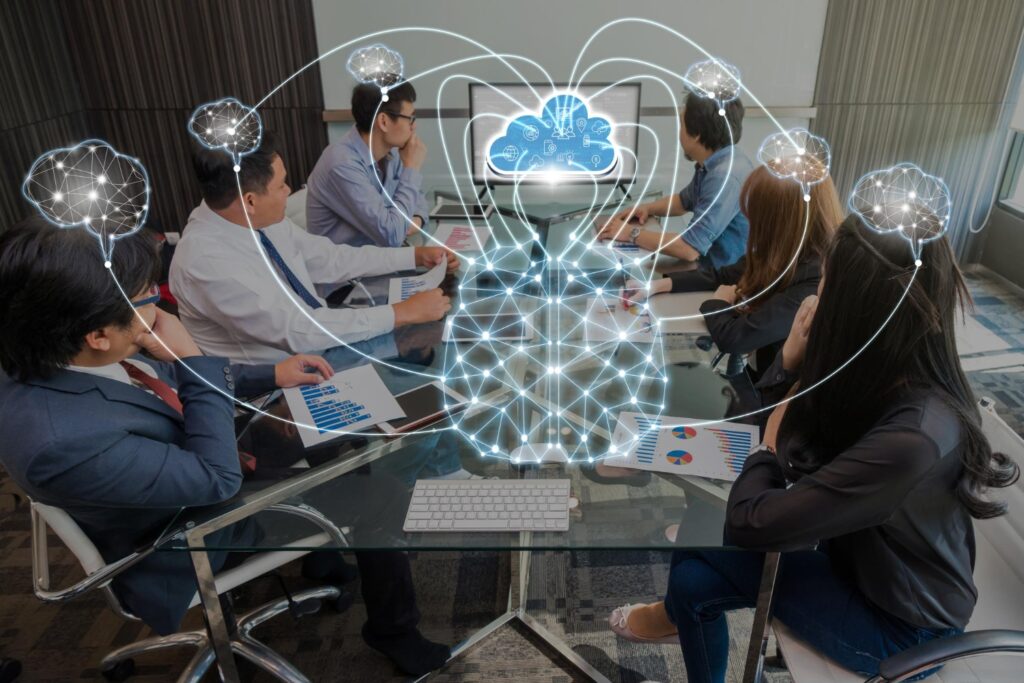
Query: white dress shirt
[[117, 373], [232, 305]]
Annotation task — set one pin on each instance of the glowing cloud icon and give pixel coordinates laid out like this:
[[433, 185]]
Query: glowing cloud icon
[[376, 64], [227, 125], [903, 199], [90, 185], [798, 155], [564, 139], [714, 79]]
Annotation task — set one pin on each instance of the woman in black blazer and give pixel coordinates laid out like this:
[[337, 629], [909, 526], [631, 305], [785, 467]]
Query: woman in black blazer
[[778, 248]]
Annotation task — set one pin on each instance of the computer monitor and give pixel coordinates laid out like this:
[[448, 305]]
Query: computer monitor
[[584, 135]]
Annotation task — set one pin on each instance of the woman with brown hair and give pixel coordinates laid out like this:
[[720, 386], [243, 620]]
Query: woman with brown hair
[[781, 267]]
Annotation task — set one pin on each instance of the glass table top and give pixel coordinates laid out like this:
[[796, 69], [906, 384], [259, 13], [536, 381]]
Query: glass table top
[[586, 359]]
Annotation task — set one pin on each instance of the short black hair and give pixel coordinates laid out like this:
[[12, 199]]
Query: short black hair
[[54, 290], [703, 121], [215, 171], [366, 99]]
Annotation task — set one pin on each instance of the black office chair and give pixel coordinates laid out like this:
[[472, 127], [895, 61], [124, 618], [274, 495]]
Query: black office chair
[[733, 367]]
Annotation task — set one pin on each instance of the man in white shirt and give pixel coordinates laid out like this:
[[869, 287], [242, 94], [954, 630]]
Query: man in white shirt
[[248, 293]]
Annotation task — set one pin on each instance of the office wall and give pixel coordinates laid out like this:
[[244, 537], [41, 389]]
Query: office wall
[[775, 45], [41, 105], [132, 72], [921, 81]]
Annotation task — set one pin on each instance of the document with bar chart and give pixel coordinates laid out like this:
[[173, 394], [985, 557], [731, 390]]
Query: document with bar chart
[[668, 444], [351, 401], [402, 288]]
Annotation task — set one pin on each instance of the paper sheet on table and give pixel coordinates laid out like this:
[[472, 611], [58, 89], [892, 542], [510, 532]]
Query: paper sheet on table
[[608, 320], [665, 306], [627, 252], [351, 401], [463, 238], [401, 288], [664, 444]]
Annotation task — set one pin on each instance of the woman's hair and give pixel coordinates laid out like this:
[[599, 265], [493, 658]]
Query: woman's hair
[[866, 274], [777, 211]]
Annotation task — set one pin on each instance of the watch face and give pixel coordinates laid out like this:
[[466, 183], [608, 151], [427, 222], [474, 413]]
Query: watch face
[[634, 233]]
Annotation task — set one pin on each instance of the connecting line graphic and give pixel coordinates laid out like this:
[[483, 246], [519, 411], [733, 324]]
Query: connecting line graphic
[[586, 357]]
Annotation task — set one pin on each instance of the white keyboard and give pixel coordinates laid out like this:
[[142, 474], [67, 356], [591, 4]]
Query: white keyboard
[[489, 505]]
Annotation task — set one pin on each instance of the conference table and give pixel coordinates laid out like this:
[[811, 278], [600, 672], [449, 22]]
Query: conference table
[[289, 498]]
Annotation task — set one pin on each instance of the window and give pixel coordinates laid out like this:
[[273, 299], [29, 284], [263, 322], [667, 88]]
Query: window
[[1011, 190]]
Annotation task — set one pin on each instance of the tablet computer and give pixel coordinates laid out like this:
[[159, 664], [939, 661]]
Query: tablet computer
[[423, 405]]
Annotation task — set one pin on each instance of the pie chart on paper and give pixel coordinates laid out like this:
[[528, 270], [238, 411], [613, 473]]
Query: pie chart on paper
[[684, 432], [679, 457]]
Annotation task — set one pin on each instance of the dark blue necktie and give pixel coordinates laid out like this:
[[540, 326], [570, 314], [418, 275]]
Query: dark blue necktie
[[293, 280]]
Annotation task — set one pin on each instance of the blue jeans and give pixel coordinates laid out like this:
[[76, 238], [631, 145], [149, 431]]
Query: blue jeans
[[826, 611]]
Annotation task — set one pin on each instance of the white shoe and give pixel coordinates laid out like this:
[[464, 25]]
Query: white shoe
[[618, 620]]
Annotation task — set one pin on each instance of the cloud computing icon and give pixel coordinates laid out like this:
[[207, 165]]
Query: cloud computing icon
[[227, 125], [905, 200], [564, 138], [93, 186]]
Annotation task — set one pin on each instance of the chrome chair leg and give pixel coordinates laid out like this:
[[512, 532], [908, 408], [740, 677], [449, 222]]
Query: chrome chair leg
[[247, 622], [268, 660], [197, 666], [190, 638]]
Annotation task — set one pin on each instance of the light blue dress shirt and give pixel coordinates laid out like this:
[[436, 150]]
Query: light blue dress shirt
[[349, 201], [721, 234]]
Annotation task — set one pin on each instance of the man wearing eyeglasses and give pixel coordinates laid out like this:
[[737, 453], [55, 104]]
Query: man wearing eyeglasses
[[365, 189]]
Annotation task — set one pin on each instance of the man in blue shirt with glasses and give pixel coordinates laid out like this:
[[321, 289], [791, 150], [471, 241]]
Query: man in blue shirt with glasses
[[365, 189], [717, 233]]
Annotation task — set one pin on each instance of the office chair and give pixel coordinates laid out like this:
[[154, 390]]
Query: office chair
[[997, 625], [119, 665], [296, 207], [733, 367]]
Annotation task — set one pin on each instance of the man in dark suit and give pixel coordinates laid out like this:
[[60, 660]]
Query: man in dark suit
[[122, 443]]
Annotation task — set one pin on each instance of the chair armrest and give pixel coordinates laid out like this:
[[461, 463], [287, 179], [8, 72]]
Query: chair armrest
[[98, 579], [914, 660], [313, 515]]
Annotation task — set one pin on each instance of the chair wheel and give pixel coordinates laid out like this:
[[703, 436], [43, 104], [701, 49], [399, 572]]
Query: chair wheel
[[119, 671], [342, 602]]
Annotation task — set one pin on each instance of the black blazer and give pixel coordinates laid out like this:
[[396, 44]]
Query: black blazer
[[762, 330]]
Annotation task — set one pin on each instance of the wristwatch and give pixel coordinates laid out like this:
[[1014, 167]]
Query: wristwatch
[[634, 233]]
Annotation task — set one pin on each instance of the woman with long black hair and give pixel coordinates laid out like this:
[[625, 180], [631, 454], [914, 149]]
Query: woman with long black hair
[[870, 480]]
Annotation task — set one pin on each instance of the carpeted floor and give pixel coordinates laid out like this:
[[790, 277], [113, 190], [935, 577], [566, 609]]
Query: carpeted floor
[[571, 594]]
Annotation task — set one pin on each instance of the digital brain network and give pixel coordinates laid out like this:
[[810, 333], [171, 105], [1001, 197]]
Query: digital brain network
[[546, 344]]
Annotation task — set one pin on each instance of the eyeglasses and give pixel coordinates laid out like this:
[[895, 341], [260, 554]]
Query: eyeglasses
[[154, 297], [412, 119]]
